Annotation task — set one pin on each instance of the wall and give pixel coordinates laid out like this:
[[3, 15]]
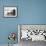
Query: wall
[[7, 25], [29, 12]]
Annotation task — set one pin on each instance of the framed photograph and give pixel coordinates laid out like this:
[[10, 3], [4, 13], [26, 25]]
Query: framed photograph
[[10, 11], [31, 32]]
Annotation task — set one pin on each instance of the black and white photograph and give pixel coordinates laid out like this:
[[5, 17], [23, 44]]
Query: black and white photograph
[[10, 11], [33, 32]]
